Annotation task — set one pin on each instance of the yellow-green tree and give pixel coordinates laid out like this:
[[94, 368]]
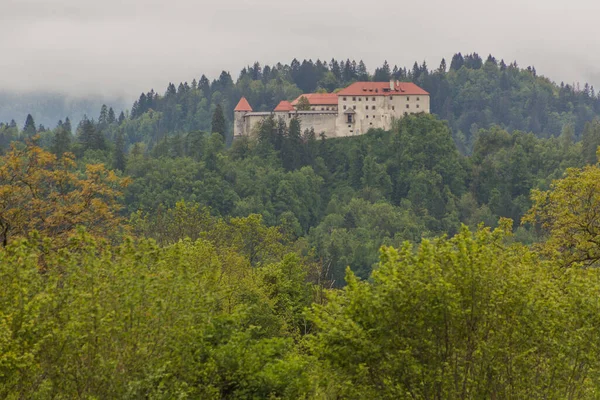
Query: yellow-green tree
[[40, 192], [569, 216]]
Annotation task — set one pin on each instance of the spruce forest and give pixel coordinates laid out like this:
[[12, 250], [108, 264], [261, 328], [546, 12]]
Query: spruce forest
[[145, 254]]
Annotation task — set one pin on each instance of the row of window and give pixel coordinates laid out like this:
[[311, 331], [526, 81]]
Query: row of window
[[326, 108], [367, 99], [373, 107]]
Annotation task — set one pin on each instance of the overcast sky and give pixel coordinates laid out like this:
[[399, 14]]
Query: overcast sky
[[121, 47]]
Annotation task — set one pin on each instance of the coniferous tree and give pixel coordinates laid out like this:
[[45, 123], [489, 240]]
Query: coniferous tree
[[90, 137], [103, 118], [218, 122], [61, 142], [67, 126], [303, 104], [111, 116], [457, 62], [591, 141], [29, 128], [119, 158], [383, 74], [363, 74], [121, 118]]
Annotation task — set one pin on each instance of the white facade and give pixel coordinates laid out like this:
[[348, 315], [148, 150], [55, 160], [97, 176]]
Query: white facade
[[375, 108]]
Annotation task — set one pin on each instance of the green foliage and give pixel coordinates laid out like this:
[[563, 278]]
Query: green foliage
[[29, 129], [187, 320], [467, 317], [303, 104], [590, 141], [218, 122]]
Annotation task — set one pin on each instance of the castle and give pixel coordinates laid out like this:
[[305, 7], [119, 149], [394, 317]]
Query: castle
[[351, 111]]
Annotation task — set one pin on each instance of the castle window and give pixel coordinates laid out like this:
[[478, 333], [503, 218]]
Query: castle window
[[391, 98], [344, 99], [322, 108], [370, 123], [417, 106], [354, 107], [417, 99], [407, 98], [360, 99], [373, 107], [393, 108], [367, 116], [366, 107], [354, 99], [373, 98], [344, 107], [407, 106]]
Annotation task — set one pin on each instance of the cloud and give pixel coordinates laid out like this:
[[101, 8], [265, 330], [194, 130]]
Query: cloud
[[126, 46]]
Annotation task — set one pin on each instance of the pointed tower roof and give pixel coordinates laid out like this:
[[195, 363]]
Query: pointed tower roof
[[243, 105], [285, 106]]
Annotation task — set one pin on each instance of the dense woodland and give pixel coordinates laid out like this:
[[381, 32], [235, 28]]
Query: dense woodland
[[144, 255]]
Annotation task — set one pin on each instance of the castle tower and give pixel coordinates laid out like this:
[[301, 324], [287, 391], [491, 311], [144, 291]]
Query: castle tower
[[239, 120]]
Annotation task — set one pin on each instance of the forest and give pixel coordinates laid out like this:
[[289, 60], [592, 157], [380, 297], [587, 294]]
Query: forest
[[144, 254]]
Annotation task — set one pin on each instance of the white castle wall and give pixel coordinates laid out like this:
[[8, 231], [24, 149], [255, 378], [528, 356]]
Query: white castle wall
[[370, 112]]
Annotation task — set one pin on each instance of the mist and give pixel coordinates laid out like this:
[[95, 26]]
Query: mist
[[120, 48]]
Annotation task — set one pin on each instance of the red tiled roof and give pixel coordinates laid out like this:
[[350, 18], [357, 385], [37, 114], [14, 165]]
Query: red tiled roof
[[382, 89], [319, 99], [285, 106], [243, 105]]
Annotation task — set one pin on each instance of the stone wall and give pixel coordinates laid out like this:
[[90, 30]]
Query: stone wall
[[370, 112]]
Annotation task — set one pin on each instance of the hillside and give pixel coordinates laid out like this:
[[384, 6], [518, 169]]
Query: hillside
[[142, 256], [469, 92]]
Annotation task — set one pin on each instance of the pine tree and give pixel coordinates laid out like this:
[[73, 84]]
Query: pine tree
[[61, 142], [121, 118], [218, 122], [67, 126], [119, 158], [383, 74], [111, 116], [29, 128], [303, 104], [292, 150], [90, 137], [363, 74], [103, 118], [590, 141]]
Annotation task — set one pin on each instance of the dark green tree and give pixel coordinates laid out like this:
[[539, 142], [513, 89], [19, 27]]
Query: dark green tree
[[111, 116], [29, 129], [219, 124], [119, 158], [61, 141], [590, 141], [67, 126]]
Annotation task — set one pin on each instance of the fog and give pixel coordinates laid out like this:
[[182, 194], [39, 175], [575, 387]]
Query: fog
[[119, 48]]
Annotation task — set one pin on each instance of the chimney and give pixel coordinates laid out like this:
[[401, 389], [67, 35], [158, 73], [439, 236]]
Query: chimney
[[392, 85]]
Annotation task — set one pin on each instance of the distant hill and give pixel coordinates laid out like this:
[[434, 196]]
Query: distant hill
[[47, 108]]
